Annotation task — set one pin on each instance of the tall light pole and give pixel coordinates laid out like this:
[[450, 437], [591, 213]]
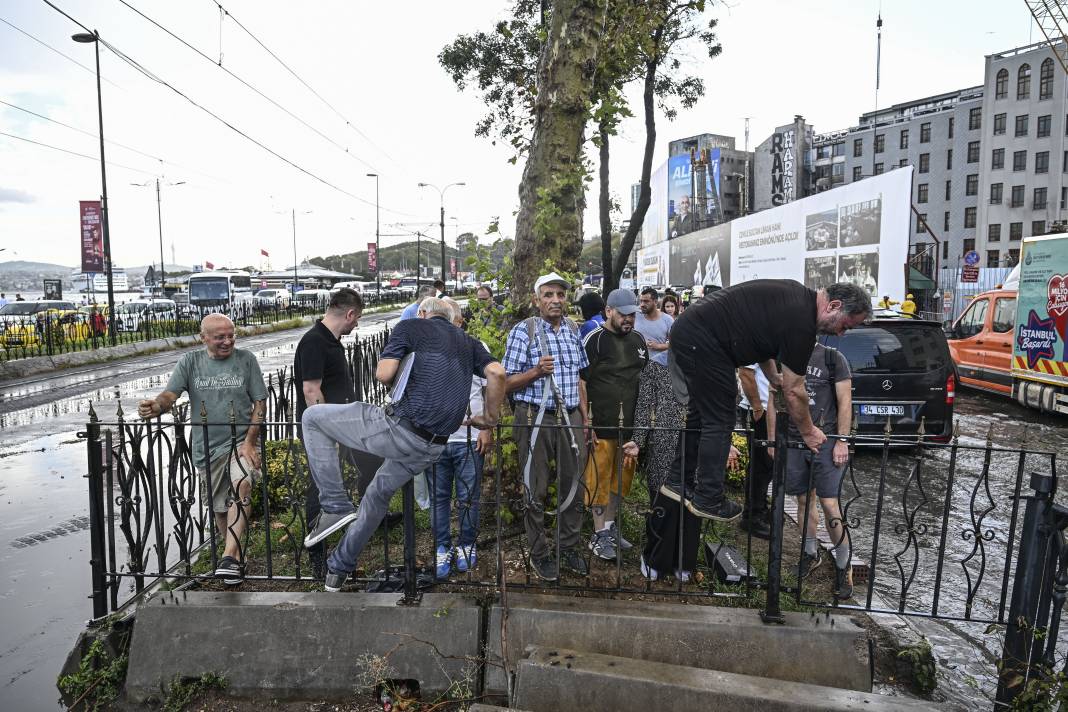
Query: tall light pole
[[94, 39], [293, 214], [159, 219], [378, 249], [441, 198]]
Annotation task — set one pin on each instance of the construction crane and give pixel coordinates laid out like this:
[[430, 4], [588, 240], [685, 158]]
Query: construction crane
[[1051, 19]]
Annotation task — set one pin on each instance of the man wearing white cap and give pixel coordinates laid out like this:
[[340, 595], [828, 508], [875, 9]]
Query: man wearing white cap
[[542, 360]]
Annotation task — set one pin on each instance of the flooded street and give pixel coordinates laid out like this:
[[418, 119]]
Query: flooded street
[[44, 543]]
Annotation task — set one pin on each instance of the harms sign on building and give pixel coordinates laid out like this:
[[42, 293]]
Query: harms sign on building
[[783, 173]]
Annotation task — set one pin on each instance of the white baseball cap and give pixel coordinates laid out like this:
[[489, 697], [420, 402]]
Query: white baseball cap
[[551, 278]]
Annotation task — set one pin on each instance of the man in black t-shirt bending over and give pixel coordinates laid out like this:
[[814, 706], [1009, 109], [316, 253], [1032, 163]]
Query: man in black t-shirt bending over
[[762, 321]]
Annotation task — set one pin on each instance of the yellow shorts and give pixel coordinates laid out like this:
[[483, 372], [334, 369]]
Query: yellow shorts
[[602, 475]]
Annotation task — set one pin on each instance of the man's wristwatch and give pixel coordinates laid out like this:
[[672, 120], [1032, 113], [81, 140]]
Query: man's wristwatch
[[843, 439]]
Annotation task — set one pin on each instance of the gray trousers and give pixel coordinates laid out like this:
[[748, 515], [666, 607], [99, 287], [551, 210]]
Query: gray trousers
[[366, 427], [552, 444]]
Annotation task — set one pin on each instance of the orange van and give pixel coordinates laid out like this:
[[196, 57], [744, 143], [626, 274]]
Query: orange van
[[981, 341]]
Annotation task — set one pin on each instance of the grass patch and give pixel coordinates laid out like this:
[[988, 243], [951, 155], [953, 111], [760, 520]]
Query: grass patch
[[98, 681], [181, 692]]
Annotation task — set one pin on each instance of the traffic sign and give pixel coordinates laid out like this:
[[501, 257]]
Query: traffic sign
[[969, 273], [971, 258]]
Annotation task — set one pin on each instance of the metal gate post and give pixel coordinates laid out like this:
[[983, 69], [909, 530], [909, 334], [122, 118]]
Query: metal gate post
[[97, 520], [411, 591], [1022, 648], [772, 612]]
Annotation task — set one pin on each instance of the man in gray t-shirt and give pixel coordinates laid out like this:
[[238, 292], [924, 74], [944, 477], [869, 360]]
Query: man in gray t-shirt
[[654, 325], [219, 378]]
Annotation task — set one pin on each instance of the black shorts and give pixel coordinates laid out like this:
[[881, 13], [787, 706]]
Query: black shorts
[[826, 476]]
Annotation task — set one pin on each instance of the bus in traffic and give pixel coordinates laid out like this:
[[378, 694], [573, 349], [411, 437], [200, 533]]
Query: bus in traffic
[[223, 290]]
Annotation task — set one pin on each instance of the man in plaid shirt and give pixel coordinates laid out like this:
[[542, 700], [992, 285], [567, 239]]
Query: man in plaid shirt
[[540, 350]]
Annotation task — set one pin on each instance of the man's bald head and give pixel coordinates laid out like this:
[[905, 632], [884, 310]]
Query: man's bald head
[[217, 333]]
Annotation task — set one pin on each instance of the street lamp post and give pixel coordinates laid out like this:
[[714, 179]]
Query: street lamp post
[[94, 39], [159, 219], [441, 198], [378, 249]]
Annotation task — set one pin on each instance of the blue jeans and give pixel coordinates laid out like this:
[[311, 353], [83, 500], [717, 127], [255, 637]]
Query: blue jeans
[[462, 464], [366, 427]]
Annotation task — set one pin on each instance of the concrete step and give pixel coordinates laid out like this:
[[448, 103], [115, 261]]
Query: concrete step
[[550, 679], [818, 649]]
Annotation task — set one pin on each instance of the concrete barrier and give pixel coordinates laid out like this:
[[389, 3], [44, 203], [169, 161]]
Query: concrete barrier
[[553, 679], [818, 649], [300, 645]]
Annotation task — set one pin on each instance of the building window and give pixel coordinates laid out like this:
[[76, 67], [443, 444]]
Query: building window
[[1042, 162], [1044, 123], [975, 118], [1021, 125], [945, 249], [921, 218], [1017, 196], [858, 147], [999, 124], [950, 127], [904, 139], [969, 217], [973, 152], [1065, 168], [925, 132], [993, 232], [1045, 80], [949, 159], [1023, 82], [1019, 160], [880, 143], [925, 163], [1064, 197], [902, 163], [969, 245], [921, 193], [949, 187], [1001, 85], [878, 169], [823, 152], [997, 158], [992, 257], [857, 173], [1038, 227], [995, 193], [1014, 258], [1016, 231], [839, 149], [945, 220], [1039, 199], [971, 187]]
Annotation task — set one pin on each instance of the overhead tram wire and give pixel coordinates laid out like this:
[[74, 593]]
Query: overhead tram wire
[[307, 86], [75, 153], [61, 54], [245, 83], [159, 80]]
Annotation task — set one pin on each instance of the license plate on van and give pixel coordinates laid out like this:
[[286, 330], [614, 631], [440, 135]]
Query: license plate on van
[[882, 409]]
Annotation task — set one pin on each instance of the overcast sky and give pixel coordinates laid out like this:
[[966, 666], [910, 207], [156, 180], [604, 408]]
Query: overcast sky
[[376, 64]]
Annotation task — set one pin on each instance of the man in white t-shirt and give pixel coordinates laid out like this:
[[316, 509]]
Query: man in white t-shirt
[[654, 325], [754, 387]]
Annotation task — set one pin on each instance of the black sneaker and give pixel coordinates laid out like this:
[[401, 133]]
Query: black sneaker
[[757, 526], [545, 568], [725, 511], [809, 563], [603, 545], [230, 571], [843, 583], [334, 581], [571, 560], [325, 525]]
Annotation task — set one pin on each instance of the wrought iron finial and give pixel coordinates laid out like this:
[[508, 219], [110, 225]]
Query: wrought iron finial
[[887, 430], [92, 413], [233, 413], [956, 432], [203, 413], [990, 436], [923, 427], [620, 414]]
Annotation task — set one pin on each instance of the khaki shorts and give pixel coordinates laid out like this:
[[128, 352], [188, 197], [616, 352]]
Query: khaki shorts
[[602, 475], [224, 473]]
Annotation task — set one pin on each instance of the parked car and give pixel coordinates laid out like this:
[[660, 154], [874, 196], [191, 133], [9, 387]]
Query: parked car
[[142, 313], [312, 298], [24, 323], [272, 299], [902, 372]]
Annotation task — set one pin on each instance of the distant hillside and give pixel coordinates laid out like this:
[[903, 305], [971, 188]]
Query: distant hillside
[[24, 266]]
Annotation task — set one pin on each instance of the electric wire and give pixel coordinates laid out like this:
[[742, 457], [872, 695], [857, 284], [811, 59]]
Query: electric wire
[[75, 153], [48, 46], [307, 86], [248, 85]]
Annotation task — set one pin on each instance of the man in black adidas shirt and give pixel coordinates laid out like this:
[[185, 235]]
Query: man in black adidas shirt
[[762, 321]]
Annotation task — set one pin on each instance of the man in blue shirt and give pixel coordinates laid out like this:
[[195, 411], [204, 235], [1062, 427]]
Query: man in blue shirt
[[543, 358], [409, 434], [412, 310]]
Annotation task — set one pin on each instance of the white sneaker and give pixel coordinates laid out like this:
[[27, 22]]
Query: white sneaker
[[683, 576], [649, 572], [465, 557]]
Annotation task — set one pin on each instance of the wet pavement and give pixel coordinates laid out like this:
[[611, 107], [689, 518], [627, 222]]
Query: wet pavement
[[44, 544]]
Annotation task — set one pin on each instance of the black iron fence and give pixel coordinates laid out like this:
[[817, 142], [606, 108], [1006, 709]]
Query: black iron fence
[[964, 531]]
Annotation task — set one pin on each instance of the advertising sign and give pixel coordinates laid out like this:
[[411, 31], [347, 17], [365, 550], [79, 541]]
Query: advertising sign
[[1042, 310], [683, 199], [452, 265], [783, 170], [855, 233], [372, 257], [53, 289], [653, 265], [92, 236], [969, 273]]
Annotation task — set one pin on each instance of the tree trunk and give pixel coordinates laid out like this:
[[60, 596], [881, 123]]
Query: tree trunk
[[610, 280], [626, 244], [551, 195]]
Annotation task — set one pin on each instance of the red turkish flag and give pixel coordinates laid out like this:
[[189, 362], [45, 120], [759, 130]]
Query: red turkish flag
[[264, 252], [209, 265]]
